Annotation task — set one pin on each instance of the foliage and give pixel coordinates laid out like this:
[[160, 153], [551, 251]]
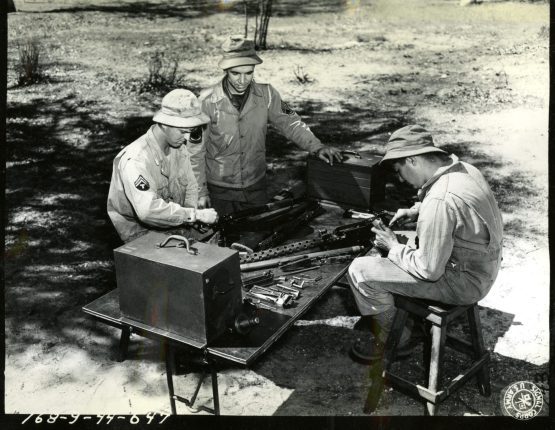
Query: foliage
[[28, 66], [162, 74], [301, 75]]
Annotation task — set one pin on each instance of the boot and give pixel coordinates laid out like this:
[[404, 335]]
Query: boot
[[371, 348]]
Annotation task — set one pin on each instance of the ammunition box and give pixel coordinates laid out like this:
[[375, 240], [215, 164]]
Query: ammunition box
[[193, 296], [357, 182]]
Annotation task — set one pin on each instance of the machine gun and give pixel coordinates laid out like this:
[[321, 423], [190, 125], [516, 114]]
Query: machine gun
[[358, 233], [301, 259]]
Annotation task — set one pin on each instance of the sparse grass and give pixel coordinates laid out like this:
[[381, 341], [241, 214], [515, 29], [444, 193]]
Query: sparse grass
[[28, 66], [302, 76], [162, 74]]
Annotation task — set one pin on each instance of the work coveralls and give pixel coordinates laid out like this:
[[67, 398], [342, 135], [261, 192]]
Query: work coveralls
[[151, 190], [235, 142], [460, 233]]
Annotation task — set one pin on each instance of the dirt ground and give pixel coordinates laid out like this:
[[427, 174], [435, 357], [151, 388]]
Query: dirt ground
[[476, 76]]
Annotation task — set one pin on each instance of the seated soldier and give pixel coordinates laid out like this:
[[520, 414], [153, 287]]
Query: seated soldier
[[459, 231], [153, 185]]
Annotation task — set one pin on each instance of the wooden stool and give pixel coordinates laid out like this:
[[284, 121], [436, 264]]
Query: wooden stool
[[437, 317]]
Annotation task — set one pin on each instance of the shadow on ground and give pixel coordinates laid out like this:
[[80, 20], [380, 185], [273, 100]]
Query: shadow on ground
[[190, 9], [59, 239], [324, 373]]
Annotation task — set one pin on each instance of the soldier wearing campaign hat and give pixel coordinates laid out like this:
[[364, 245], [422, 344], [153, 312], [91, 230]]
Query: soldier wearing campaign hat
[[460, 233], [231, 165], [153, 185]]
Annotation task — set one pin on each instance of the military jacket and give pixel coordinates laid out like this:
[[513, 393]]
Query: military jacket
[[151, 190], [235, 142]]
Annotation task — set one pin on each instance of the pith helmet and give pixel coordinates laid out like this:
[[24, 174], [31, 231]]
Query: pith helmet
[[180, 108]]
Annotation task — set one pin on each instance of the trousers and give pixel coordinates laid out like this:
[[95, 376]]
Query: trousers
[[374, 280]]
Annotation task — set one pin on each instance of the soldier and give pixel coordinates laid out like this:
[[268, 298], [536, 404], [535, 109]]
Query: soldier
[[231, 167], [153, 185], [460, 234]]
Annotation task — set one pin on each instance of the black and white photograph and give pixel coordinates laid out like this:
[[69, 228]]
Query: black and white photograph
[[276, 208]]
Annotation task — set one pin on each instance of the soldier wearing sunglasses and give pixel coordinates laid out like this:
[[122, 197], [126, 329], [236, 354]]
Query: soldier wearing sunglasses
[[153, 186]]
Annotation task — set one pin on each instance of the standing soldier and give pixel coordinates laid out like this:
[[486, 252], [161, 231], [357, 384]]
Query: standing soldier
[[231, 166], [153, 185]]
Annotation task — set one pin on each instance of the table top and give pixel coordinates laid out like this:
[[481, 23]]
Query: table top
[[242, 349]]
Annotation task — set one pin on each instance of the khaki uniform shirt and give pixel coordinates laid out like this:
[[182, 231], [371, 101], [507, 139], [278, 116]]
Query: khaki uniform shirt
[[234, 146], [149, 189], [460, 232]]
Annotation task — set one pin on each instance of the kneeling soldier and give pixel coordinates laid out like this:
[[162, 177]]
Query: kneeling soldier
[[153, 185]]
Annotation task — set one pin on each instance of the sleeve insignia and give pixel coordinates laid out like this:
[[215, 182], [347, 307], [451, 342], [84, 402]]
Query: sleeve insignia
[[141, 183], [286, 109]]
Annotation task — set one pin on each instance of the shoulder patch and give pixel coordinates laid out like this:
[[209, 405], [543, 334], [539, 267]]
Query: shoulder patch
[[141, 183], [286, 109]]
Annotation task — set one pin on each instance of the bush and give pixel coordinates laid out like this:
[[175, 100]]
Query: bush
[[301, 76], [28, 68], [162, 74]]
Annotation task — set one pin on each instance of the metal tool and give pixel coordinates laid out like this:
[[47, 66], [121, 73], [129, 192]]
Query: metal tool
[[263, 279], [276, 290], [289, 290], [259, 304], [296, 284], [282, 301], [306, 269]]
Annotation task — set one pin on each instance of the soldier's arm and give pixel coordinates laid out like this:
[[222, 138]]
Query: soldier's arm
[[150, 208], [289, 123]]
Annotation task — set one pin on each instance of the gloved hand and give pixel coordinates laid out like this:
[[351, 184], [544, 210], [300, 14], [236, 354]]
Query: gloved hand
[[207, 216]]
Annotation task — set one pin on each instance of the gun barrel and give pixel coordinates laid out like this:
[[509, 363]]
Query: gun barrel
[[280, 261]]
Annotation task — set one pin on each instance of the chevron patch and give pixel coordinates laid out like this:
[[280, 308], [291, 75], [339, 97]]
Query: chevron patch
[[142, 184]]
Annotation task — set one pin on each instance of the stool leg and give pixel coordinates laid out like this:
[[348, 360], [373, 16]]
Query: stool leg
[[427, 347], [483, 375], [436, 361]]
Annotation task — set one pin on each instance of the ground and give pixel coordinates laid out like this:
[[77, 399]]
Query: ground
[[476, 76]]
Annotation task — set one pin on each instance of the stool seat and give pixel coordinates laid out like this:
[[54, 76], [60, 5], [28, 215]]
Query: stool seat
[[437, 317]]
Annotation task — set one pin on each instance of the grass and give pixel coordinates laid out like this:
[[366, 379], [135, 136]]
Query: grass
[[28, 67]]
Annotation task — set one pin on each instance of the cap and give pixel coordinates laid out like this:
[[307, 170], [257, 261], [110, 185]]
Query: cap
[[180, 108], [408, 141], [238, 51]]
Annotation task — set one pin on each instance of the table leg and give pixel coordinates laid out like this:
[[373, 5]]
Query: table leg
[[170, 365], [124, 343], [215, 393]]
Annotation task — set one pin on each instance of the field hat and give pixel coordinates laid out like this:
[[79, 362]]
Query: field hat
[[238, 51], [180, 108], [408, 141]]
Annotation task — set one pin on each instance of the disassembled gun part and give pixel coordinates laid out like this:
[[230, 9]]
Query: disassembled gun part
[[288, 290], [282, 301]]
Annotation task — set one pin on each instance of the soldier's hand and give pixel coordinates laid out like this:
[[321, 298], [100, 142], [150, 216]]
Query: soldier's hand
[[385, 237], [328, 154], [207, 216], [404, 216], [204, 202]]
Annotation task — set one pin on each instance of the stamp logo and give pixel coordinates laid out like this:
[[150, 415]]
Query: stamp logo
[[522, 400]]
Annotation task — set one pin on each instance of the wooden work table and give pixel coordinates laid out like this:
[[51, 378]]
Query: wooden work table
[[231, 347]]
